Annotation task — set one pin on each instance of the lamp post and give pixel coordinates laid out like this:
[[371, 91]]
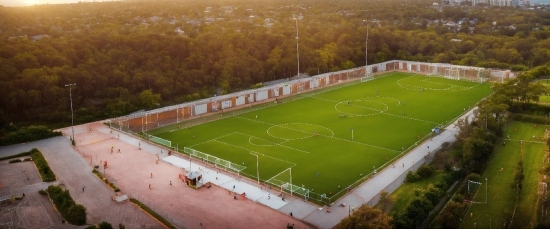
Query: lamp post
[[297, 50], [72, 113], [366, 51], [257, 168]]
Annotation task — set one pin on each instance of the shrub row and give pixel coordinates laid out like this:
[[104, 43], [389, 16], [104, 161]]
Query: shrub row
[[46, 173], [423, 172], [529, 118], [16, 155], [28, 134], [153, 213], [105, 225], [74, 213]]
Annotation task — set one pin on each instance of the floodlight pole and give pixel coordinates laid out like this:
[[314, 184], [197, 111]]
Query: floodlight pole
[[72, 113], [297, 50], [366, 52], [257, 168]]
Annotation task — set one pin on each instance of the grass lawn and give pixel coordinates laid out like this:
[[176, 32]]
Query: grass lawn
[[545, 98], [501, 197], [308, 135], [405, 193]]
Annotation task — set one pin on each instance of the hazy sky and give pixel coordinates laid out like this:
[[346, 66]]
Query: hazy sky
[[34, 2]]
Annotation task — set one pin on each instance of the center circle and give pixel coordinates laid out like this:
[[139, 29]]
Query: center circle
[[296, 131], [361, 107]]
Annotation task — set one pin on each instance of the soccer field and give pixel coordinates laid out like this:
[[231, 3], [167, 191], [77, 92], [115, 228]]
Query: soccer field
[[335, 136]]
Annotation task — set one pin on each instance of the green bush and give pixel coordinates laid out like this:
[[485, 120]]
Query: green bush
[[121, 226], [74, 213], [46, 173], [16, 155], [42, 192], [153, 213], [27, 159], [529, 118], [18, 197], [105, 225], [412, 177], [15, 161], [28, 134], [425, 171]]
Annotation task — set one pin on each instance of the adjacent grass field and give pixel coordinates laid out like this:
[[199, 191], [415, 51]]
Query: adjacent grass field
[[501, 197], [309, 133], [545, 98]]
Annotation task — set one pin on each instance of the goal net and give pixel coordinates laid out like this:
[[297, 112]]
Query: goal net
[[214, 160], [159, 140], [366, 78], [454, 73]]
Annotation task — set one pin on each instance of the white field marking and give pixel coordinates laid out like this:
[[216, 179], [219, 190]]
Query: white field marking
[[250, 141], [360, 143], [200, 143], [368, 108], [303, 131], [251, 151], [519, 140], [411, 87], [382, 112], [406, 117], [274, 144]]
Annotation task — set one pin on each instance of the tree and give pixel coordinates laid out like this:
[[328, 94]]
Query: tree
[[386, 201], [105, 225], [366, 217], [148, 99]]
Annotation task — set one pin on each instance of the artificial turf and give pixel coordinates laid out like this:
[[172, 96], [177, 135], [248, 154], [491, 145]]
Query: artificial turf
[[341, 133]]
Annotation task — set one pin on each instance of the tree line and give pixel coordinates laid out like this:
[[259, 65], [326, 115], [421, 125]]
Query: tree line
[[123, 60]]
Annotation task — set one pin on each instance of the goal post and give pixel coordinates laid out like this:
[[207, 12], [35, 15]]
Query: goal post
[[366, 78], [159, 140]]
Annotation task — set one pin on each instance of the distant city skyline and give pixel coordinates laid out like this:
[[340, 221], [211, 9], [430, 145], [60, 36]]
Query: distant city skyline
[[19, 3]]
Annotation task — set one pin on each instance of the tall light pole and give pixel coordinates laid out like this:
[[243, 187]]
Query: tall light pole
[[72, 113], [366, 52], [297, 50], [257, 168]]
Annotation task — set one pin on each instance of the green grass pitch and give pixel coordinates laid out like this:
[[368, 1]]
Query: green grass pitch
[[310, 134]]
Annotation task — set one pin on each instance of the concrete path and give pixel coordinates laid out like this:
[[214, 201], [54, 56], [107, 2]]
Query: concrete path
[[75, 172]]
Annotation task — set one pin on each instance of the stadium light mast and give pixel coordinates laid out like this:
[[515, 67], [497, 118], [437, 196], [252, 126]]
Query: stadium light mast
[[297, 50], [366, 52], [72, 113]]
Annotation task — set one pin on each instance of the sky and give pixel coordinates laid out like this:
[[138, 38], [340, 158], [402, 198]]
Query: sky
[[34, 2]]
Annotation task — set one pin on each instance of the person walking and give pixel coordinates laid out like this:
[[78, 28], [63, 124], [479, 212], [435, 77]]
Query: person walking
[[170, 183], [83, 187]]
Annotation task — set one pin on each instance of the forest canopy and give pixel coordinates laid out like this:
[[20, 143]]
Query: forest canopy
[[132, 55]]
